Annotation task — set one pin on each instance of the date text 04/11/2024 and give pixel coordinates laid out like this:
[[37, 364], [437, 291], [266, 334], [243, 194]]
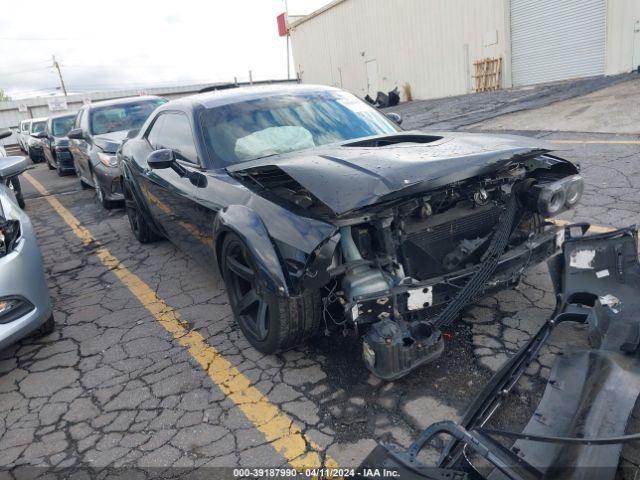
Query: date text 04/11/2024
[[316, 473]]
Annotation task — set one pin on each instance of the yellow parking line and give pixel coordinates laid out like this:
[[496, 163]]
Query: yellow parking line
[[596, 142], [592, 228], [280, 430]]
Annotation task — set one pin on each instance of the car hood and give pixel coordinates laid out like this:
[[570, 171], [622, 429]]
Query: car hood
[[109, 142], [356, 174]]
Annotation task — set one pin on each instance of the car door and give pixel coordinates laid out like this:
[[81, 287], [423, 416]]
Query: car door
[[80, 147], [177, 200]]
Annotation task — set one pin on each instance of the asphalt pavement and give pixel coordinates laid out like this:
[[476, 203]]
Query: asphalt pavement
[[147, 369]]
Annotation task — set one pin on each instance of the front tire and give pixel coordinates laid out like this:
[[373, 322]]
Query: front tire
[[51, 167], [47, 327], [270, 323], [106, 204], [139, 225]]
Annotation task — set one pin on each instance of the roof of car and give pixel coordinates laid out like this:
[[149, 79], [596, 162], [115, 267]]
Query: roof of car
[[122, 101], [218, 98], [63, 115], [40, 119]]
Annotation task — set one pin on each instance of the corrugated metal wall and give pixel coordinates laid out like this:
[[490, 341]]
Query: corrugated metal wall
[[428, 44], [557, 39]]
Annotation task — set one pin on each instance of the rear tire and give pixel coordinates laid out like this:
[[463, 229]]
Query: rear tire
[[270, 323]]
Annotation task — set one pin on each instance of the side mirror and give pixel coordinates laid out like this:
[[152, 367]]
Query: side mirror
[[395, 118], [12, 166], [163, 158], [76, 134], [5, 134], [39, 135]]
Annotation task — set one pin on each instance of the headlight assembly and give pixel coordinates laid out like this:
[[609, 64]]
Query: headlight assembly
[[108, 160], [12, 308], [550, 199]]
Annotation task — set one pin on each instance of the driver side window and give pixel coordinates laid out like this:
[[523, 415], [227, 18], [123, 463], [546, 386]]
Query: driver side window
[[154, 135], [173, 131]]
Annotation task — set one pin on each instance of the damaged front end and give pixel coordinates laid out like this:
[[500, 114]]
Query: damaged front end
[[406, 271], [579, 425], [424, 224]]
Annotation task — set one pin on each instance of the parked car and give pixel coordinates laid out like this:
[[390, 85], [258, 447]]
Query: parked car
[[56, 143], [23, 134], [98, 130], [35, 146], [25, 305], [321, 213], [13, 183]]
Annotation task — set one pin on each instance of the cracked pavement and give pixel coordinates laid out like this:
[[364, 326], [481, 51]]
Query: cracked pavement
[[112, 388]]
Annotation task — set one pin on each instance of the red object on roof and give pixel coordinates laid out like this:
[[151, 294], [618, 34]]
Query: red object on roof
[[282, 25]]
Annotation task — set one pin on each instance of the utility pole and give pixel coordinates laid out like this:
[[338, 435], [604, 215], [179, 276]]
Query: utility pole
[[286, 21], [57, 67]]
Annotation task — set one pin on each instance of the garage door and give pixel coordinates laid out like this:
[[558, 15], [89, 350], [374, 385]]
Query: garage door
[[557, 39]]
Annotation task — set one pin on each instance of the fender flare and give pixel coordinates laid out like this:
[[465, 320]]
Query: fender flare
[[248, 226]]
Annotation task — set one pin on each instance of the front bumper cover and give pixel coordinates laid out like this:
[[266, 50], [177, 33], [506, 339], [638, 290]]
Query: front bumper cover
[[579, 425]]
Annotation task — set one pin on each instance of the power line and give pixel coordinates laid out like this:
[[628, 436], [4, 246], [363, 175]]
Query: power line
[[24, 71]]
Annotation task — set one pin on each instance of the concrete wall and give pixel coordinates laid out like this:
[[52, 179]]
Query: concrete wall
[[429, 44], [622, 42]]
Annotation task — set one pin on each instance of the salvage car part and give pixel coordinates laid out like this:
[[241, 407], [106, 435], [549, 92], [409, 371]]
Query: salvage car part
[[579, 425], [342, 216]]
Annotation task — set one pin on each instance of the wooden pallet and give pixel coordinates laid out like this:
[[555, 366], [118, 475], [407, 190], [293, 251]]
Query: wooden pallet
[[488, 75]]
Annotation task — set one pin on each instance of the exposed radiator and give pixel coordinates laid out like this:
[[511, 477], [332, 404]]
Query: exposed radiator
[[476, 223]]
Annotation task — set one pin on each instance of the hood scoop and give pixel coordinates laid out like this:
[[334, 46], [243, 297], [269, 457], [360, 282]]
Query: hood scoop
[[393, 140]]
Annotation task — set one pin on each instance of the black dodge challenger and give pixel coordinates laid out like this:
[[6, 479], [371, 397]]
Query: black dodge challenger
[[322, 213]]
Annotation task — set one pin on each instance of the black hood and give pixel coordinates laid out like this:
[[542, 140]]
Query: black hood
[[109, 142], [353, 175]]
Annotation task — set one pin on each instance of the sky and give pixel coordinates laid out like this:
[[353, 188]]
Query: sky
[[117, 44]]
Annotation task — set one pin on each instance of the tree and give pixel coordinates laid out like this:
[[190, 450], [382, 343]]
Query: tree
[[4, 97]]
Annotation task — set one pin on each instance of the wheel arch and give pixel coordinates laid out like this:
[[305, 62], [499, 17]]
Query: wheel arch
[[248, 226], [130, 187]]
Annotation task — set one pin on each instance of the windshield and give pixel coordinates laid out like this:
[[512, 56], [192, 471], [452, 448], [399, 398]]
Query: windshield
[[286, 123], [126, 116], [61, 126], [38, 127]]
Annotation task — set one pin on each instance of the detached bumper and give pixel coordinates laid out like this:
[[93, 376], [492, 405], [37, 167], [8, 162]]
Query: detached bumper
[[392, 348]]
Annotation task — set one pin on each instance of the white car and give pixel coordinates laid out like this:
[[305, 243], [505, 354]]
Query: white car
[[35, 148], [25, 304], [23, 134]]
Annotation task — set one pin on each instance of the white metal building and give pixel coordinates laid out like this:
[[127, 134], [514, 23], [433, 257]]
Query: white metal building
[[367, 46]]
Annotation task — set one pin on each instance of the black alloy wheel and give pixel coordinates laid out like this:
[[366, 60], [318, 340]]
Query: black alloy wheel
[[251, 308]]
